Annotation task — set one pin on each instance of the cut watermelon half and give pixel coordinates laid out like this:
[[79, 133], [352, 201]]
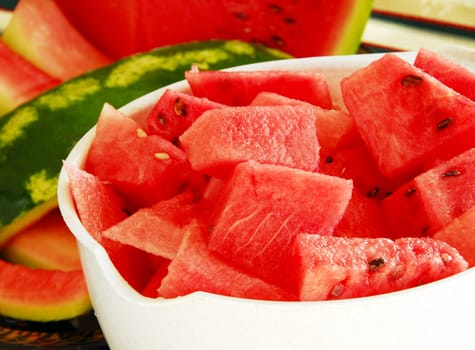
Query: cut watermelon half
[[303, 28]]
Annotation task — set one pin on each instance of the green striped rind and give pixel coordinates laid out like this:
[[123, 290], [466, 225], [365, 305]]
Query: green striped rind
[[35, 137], [353, 27]]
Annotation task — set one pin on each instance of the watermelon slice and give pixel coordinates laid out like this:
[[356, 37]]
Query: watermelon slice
[[434, 198], [328, 267], [151, 168], [460, 235], [262, 207], [22, 81], [282, 135], [304, 28], [40, 33], [47, 245], [408, 118], [174, 112], [195, 268], [62, 295], [239, 88], [450, 73]]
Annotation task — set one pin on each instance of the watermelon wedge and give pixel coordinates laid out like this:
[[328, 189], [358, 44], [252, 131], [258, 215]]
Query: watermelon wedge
[[460, 235], [334, 268], [195, 268], [262, 207], [151, 168], [174, 112], [62, 295], [47, 245], [451, 74], [40, 33], [22, 81]]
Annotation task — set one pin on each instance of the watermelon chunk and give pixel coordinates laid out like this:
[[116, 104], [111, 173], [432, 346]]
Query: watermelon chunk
[[22, 81], [328, 267], [450, 73], [157, 229], [460, 234], [195, 268], [283, 135], [356, 162], [150, 168], [99, 208], [151, 289], [174, 112], [334, 127], [239, 88], [434, 198], [408, 118], [39, 31], [364, 217], [262, 207]]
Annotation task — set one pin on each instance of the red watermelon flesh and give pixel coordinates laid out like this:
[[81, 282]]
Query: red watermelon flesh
[[460, 234], [174, 112], [99, 208], [195, 268], [39, 31], [334, 127], [450, 73], [283, 135], [151, 289], [150, 168], [63, 294], [404, 212], [356, 162], [304, 28], [328, 267], [407, 117], [157, 229], [22, 81], [434, 198], [261, 207], [239, 88], [364, 217]]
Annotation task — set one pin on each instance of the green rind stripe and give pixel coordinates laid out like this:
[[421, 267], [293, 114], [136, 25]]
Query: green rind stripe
[[35, 137]]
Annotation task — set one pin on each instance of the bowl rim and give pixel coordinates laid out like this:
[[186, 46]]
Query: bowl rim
[[144, 103]]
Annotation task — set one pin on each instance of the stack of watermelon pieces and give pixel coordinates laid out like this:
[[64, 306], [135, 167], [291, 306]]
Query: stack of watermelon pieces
[[253, 185]]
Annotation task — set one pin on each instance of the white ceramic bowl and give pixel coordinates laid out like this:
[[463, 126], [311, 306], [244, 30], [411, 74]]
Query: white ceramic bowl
[[439, 315]]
